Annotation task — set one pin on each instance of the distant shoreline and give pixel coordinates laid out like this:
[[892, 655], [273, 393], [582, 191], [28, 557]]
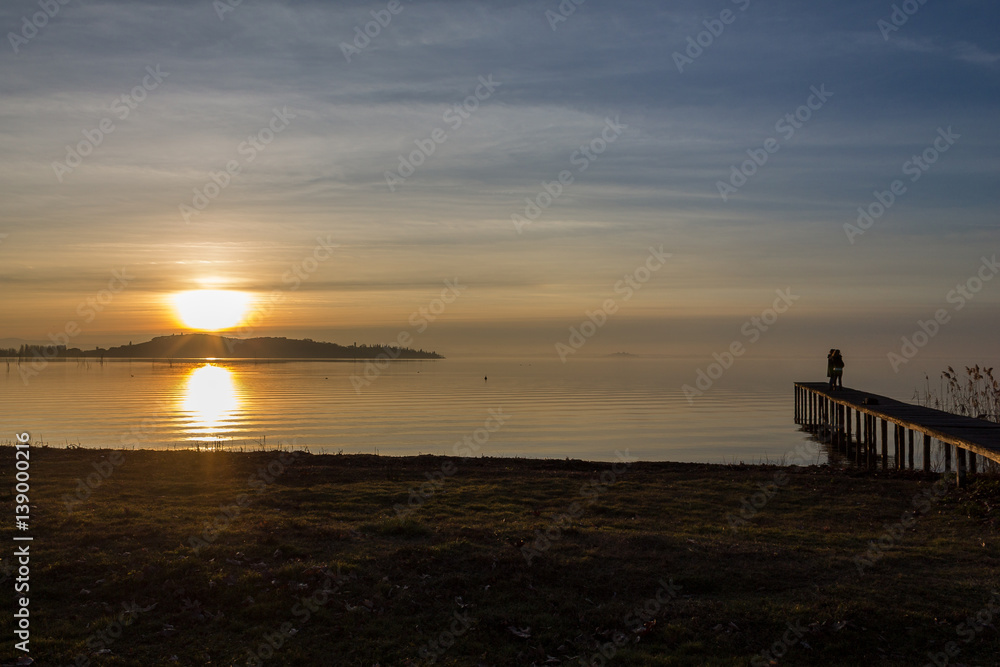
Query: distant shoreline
[[214, 346], [501, 464]]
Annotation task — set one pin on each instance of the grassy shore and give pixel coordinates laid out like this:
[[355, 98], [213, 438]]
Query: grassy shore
[[186, 558]]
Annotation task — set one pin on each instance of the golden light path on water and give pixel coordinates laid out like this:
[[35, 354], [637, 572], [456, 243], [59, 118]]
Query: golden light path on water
[[210, 401], [587, 409]]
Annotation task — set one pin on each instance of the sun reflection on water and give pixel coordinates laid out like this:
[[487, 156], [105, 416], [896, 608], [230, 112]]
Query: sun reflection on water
[[210, 401]]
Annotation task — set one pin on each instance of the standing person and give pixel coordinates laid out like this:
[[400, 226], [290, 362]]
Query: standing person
[[829, 366], [837, 370]]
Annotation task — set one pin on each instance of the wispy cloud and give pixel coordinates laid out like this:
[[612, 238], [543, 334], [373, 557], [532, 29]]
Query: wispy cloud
[[325, 174]]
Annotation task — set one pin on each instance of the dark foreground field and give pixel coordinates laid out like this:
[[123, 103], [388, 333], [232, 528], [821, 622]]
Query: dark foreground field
[[185, 558]]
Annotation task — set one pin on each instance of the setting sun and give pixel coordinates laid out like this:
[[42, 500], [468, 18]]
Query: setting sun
[[211, 310]]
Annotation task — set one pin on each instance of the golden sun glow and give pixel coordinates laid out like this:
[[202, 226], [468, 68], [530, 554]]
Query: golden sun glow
[[211, 310], [210, 398]]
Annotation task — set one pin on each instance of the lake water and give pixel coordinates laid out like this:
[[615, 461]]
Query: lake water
[[587, 408]]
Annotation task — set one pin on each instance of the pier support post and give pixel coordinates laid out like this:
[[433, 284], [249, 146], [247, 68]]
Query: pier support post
[[872, 439], [868, 441], [899, 443], [927, 453], [803, 406], [947, 457], [847, 429], [972, 463], [910, 446], [960, 473], [861, 438], [831, 419], [885, 444], [841, 427], [862, 423]]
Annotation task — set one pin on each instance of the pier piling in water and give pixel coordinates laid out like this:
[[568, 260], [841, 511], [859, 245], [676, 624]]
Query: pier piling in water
[[827, 411]]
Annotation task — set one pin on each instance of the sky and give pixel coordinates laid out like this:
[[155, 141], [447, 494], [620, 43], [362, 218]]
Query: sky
[[653, 176]]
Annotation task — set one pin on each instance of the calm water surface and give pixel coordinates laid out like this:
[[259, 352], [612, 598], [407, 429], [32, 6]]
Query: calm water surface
[[585, 409]]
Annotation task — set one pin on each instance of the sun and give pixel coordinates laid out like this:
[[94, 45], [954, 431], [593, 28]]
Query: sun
[[211, 310]]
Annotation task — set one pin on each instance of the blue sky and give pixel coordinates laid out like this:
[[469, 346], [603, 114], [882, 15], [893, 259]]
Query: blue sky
[[227, 73]]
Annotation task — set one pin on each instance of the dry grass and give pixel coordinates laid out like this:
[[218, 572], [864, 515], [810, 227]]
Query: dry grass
[[320, 551]]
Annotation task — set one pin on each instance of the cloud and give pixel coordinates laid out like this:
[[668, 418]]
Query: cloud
[[325, 173]]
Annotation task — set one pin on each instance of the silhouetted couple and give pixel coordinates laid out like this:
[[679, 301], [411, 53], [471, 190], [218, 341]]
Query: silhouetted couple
[[835, 369]]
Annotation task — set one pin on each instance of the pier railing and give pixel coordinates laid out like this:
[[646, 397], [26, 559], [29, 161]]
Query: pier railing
[[853, 421]]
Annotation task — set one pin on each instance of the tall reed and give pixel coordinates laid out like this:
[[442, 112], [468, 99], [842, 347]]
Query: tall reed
[[977, 394]]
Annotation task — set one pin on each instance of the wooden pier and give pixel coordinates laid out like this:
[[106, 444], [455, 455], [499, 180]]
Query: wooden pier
[[853, 422]]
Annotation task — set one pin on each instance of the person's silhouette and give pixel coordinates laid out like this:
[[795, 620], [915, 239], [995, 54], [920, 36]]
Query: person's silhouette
[[836, 365]]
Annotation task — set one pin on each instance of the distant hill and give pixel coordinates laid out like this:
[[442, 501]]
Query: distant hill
[[199, 346]]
